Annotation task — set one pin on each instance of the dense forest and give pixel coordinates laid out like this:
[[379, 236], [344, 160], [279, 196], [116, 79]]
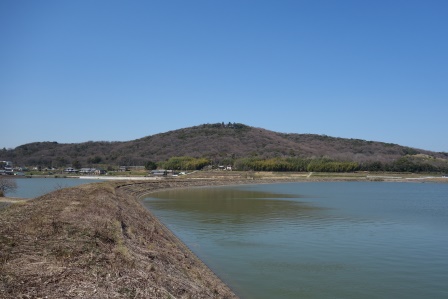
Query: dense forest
[[238, 145]]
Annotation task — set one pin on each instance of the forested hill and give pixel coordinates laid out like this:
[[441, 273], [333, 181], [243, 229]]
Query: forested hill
[[221, 144]]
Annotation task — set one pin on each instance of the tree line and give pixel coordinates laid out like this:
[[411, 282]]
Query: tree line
[[296, 164], [407, 163], [182, 163]]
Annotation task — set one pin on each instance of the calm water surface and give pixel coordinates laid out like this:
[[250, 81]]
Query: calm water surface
[[34, 187], [317, 240]]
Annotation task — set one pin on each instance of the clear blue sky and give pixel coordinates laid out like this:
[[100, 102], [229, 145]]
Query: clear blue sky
[[74, 71]]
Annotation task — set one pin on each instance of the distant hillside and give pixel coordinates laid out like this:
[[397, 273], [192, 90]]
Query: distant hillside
[[221, 144]]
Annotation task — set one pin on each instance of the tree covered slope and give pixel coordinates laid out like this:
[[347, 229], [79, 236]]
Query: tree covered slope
[[221, 144]]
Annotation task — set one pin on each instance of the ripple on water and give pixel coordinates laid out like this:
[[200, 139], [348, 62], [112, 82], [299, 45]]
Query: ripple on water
[[318, 240]]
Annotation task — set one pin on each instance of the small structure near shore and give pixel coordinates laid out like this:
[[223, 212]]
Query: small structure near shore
[[6, 168], [70, 170], [159, 172]]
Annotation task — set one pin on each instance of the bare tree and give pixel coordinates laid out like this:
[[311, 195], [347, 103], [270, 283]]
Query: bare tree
[[6, 185]]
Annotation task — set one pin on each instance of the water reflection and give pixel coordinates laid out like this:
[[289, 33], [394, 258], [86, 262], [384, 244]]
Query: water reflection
[[232, 208], [317, 240], [235, 207]]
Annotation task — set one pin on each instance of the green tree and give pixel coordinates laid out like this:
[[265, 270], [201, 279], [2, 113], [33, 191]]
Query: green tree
[[185, 163], [150, 165]]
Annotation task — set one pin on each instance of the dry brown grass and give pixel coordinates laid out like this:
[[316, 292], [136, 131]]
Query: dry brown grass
[[96, 241]]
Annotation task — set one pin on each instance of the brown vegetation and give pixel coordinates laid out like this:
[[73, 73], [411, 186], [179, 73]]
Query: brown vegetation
[[7, 184], [220, 143], [97, 241]]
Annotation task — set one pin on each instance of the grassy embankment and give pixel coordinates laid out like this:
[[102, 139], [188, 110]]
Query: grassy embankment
[[6, 201], [268, 176], [97, 241], [263, 175]]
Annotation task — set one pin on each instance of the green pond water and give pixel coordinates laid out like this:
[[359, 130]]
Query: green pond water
[[317, 240]]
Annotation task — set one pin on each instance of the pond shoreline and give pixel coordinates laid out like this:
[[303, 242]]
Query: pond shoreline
[[97, 240]]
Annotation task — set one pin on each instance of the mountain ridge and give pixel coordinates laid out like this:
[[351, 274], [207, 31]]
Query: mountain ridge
[[218, 142]]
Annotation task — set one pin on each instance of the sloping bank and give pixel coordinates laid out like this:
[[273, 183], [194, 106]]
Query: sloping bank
[[98, 241]]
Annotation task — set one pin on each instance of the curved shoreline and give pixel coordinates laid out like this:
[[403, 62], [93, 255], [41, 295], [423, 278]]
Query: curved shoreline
[[98, 241]]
